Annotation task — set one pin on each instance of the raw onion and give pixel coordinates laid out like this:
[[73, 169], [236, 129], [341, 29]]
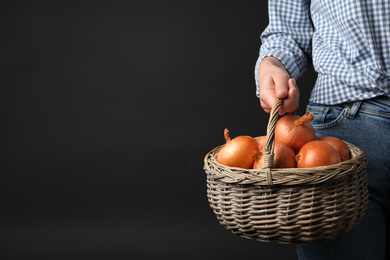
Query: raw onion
[[261, 141], [284, 156], [295, 131], [317, 153], [339, 145], [238, 152]]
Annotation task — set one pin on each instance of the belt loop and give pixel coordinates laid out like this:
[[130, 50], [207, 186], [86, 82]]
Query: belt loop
[[354, 109]]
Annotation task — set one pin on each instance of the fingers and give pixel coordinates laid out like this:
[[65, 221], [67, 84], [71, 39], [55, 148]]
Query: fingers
[[283, 89], [267, 95], [291, 101], [275, 83], [272, 87], [281, 86]]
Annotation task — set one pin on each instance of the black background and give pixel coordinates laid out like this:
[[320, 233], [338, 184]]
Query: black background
[[108, 109]]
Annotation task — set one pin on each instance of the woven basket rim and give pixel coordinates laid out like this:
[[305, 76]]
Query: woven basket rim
[[283, 176]]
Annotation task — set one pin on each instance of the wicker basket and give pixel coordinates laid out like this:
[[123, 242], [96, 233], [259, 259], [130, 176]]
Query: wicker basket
[[289, 206]]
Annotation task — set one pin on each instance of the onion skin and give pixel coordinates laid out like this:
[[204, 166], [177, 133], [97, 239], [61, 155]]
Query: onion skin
[[238, 152], [295, 131], [339, 145], [261, 141], [284, 156], [317, 153]]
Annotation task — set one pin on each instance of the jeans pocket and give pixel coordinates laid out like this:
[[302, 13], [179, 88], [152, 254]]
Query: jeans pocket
[[326, 117]]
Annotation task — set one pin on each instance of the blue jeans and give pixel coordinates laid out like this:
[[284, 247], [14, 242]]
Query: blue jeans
[[365, 124]]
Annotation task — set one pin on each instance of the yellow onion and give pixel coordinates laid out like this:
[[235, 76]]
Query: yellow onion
[[238, 152]]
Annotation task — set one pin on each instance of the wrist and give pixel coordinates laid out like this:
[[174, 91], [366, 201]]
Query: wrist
[[271, 60]]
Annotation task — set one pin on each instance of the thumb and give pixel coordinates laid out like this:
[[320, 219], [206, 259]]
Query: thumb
[[281, 87], [281, 91], [291, 102]]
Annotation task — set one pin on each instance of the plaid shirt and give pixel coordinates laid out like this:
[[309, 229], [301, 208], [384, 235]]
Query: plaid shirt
[[347, 41]]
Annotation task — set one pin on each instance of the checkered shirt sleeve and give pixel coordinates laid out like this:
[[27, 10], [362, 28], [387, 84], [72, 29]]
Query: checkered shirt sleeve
[[348, 43]]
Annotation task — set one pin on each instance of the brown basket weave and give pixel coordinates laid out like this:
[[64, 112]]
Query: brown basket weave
[[289, 206]]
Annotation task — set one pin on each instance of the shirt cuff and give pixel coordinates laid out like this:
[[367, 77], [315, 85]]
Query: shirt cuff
[[286, 59]]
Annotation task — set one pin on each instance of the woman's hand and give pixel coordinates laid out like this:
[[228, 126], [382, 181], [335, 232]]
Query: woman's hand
[[274, 83]]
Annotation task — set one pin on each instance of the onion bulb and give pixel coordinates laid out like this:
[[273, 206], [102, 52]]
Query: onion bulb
[[261, 141], [284, 156], [295, 131], [317, 153], [339, 145], [238, 152]]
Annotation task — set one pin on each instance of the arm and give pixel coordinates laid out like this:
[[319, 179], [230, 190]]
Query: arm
[[284, 54]]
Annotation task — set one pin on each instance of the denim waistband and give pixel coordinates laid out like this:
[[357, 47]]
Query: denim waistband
[[377, 106]]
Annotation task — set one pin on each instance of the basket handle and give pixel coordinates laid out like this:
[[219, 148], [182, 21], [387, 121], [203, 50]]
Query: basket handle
[[270, 140]]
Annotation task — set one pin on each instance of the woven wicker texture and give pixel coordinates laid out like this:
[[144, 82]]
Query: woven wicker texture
[[292, 206]]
